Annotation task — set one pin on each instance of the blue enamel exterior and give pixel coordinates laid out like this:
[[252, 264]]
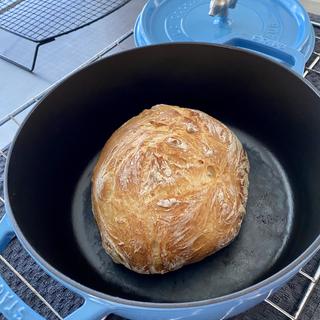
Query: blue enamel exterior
[[277, 25], [14, 308], [11, 306], [95, 307]]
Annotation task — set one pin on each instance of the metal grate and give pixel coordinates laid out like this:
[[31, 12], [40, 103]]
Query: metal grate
[[312, 69], [37, 22], [42, 20]]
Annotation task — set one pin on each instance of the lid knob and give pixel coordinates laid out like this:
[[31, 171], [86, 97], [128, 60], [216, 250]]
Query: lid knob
[[220, 7]]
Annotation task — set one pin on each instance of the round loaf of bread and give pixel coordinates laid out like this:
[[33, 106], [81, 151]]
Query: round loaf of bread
[[170, 188]]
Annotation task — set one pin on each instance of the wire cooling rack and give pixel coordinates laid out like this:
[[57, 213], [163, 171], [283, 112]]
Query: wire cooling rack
[[312, 70], [41, 21]]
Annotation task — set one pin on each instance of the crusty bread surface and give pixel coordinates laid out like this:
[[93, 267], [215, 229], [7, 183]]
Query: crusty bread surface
[[170, 188]]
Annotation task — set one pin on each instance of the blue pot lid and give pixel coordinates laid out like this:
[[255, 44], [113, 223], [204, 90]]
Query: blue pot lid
[[280, 24]]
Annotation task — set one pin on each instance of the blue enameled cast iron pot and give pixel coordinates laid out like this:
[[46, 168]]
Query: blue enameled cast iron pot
[[274, 112]]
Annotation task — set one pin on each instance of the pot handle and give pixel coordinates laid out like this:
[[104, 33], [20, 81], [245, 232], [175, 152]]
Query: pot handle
[[13, 307], [292, 58]]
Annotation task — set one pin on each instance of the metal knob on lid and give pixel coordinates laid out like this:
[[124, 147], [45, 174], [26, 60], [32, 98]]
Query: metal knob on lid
[[220, 7]]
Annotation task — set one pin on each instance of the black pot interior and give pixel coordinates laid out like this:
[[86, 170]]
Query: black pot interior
[[274, 113]]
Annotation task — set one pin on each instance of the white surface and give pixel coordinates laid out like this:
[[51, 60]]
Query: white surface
[[312, 6]]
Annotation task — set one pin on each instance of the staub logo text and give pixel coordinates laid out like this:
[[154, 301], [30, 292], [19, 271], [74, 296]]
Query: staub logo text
[[9, 305]]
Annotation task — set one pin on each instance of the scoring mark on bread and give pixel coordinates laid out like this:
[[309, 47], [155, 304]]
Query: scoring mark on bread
[[211, 171], [120, 220], [207, 151], [175, 142], [191, 128], [167, 203]]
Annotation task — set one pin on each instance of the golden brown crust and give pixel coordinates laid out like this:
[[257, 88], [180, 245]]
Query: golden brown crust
[[170, 188]]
